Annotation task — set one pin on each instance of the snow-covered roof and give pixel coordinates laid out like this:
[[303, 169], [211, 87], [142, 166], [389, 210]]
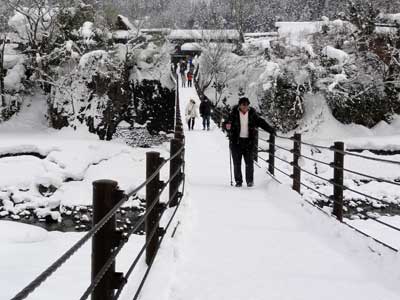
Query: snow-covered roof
[[392, 18], [156, 30], [260, 34], [124, 23], [124, 124], [386, 29], [221, 35], [306, 28], [124, 34], [191, 47], [288, 28]]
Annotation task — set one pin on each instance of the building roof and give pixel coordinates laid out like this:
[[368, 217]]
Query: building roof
[[200, 34]]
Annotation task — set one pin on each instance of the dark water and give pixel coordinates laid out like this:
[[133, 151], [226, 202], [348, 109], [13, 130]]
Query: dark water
[[79, 218]]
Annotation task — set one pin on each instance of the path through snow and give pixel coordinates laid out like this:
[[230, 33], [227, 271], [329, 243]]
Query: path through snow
[[261, 242]]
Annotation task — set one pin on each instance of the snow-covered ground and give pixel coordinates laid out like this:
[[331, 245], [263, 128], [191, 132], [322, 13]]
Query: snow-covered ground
[[263, 242], [72, 161]]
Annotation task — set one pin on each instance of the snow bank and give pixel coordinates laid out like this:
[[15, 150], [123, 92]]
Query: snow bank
[[334, 53], [90, 57], [71, 165], [14, 77], [271, 72], [318, 122], [21, 233], [86, 32], [19, 23], [11, 60]]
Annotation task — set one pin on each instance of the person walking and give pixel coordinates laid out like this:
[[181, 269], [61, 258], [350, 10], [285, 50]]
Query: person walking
[[182, 71], [189, 79], [183, 78], [242, 125], [191, 113], [205, 113]]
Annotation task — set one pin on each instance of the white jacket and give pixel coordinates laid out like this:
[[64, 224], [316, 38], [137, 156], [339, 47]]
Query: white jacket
[[191, 110]]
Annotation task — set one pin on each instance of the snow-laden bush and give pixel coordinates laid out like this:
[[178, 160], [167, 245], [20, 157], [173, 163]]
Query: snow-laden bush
[[97, 94], [284, 84], [359, 81], [154, 105], [129, 83]]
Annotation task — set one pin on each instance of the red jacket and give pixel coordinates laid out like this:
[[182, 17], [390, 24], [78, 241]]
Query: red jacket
[[189, 76]]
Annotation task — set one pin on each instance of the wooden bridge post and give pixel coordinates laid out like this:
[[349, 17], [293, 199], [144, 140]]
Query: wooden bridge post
[[104, 199], [271, 154], [338, 180], [174, 167], [296, 157], [153, 162]]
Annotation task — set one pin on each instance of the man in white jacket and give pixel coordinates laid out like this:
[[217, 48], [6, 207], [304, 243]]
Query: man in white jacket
[[191, 113]]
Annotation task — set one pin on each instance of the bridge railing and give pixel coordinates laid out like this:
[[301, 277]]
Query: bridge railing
[[108, 241], [338, 170]]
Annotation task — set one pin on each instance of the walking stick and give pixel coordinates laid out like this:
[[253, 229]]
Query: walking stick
[[230, 162]]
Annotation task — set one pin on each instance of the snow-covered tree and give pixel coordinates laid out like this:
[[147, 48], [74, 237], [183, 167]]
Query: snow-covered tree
[[214, 66]]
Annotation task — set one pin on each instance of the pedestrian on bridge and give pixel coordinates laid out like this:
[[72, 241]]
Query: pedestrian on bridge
[[182, 71], [189, 79], [191, 113], [242, 125], [205, 113]]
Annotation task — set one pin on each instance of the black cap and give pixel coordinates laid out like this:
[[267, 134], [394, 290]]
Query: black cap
[[244, 100]]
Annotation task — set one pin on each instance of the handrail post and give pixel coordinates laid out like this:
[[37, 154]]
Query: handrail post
[[173, 168], [271, 154], [153, 162], [296, 157], [338, 163], [104, 199]]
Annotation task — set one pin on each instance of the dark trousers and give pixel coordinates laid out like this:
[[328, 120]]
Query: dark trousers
[[245, 150], [190, 83], [206, 122], [191, 123]]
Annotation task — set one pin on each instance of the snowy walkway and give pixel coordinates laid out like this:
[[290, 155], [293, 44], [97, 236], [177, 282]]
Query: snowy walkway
[[258, 243]]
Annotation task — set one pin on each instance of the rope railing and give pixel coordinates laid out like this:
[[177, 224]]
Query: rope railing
[[305, 143], [153, 258], [371, 237], [59, 262], [394, 162], [345, 223], [371, 177], [317, 176], [284, 137], [338, 170], [106, 284], [317, 146], [283, 160], [283, 148], [337, 182], [362, 194], [316, 160], [97, 227]]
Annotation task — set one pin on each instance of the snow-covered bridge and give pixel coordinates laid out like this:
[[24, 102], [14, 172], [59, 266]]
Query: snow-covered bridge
[[263, 242]]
